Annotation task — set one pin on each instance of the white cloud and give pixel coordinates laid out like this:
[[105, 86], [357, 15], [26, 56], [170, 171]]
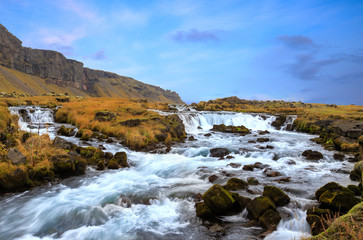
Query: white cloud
[[79, 8]]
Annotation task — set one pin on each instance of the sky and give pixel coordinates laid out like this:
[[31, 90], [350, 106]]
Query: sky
[[310, 51]]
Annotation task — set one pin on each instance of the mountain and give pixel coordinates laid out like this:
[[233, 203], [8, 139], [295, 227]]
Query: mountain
[[37, 72]]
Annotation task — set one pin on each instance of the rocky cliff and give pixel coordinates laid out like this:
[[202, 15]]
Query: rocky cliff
[[62, 74]]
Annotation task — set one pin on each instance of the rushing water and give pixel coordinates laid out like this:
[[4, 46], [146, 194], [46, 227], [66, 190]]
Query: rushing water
[[161, 187]]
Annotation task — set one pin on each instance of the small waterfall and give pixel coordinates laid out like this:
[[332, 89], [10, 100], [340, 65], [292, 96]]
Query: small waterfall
[[288, 123], [34, 118], [206, 120]]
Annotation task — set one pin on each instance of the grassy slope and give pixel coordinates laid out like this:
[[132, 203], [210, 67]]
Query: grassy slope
[[12, 80]]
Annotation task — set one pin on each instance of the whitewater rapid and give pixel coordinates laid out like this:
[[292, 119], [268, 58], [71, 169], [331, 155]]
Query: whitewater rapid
[[162, 187]]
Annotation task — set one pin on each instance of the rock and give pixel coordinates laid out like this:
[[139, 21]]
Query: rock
[[100, 165], [263, 132], [207, 134], [341, 201], [275, 157], [25, 137], [192, 138], [124, 201], [219, 152], [234, 165], [108, 155], [104, 116], [109, 140], [113, 165], [131, 123], [252, 181], [93, 155], [248, 167], [15, 180], [276, 195], [234, 184], [62, 143], [269, 219], [63, 131], [217, 229], [270, 147], [317, 224], [63, 165], [121, 159], [251, 141], [339, 156], [213, 178], [203, 211], [229, 157], [242, 201], [261, 140], [258, 206], [312, 155], [231, 129], [16, 156], [273, 174], [80, 165], [283, 179], [291, 162], [355, 189], [260, 165], [219, 200], [319, 212], [331, 186], [356, 173], [279, 122]]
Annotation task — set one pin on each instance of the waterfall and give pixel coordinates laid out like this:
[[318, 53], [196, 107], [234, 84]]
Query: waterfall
[[206, 120]]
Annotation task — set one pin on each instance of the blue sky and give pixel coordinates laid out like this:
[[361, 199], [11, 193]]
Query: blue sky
[[291, 50]]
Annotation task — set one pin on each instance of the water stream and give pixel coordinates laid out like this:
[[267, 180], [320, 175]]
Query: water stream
[[161, 187]]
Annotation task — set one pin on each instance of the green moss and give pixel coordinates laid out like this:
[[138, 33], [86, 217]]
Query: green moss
[[276, 195], [260, 205], [234, 184], [219, 200]]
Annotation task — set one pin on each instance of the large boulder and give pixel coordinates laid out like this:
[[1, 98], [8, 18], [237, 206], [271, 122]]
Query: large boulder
[[312, 155], [331, 186], [276, 195], [231, 129], [356, 173], [63, 131], [269, 219], [62, 143], [234, 184], [338, 200], [203, 210], [219, 152], [219, 200], [16, 179], [121, 159], [279, 122], [16, 156], [258, 206]]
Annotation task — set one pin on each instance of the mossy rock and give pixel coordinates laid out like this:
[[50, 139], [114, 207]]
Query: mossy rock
[[231, 129], [259, 206], [319, 211], [63, 165], [332, 186], [269, 219], [100, 165], [242, 201], [276, 195], [234, 184], [338, 201], [63, 131], [80, 165], [317, 224], [113, 165], [252, 181], [121, 159], [356, 173], [39, 174], [93, 155], [219, 200], [16, 179], [357, 191], [203, 211]]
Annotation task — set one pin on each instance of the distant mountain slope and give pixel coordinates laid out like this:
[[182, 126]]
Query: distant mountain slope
[[36, 72]]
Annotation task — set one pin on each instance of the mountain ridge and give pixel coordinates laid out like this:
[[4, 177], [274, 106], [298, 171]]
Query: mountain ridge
[[52, 70]]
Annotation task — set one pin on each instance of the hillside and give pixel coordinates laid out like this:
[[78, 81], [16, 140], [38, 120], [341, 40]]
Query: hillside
[[37, 72]]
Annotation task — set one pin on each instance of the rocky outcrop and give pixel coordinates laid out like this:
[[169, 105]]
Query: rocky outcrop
[[56, 69], [231, 129]]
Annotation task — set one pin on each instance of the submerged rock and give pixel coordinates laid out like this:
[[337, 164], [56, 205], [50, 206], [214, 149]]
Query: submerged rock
[[213, 178]]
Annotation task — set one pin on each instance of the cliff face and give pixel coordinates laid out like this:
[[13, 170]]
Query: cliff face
[[55, 69]]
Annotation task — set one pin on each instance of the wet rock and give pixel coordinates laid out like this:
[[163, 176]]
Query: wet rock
[[260, 165], [91, 154], [213, 178], [104, 116], [269, 219], [270, 147], [258, 206], [113, 165], [261, 140], [319, 211], [317, 225], [25, 137], [356, 173], [273, 174], [252, 191], [291, 162], [339, 156], [219, 152], [16, 180], [263, 132], [192, 138], [199, 127], [101, 147], [121, 159], [217, 229], [100, 165], [198, 197], [16, 156], [275, 157], [219, 200], [248, 167], [331, 186], [63, 131], [231, 129], [251, 141], [108, 155], [63, 165], [283, 179], [229, 157], [252, 181], [312, 155], [207, 135], [227, 174], [235, 165], [276, 195], [338, 201], [234, 184], [242, 201], [279, 122], [355, 189], [109, 140]]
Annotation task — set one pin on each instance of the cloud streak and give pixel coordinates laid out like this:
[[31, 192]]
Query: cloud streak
[[194, 35], [298, 42]]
